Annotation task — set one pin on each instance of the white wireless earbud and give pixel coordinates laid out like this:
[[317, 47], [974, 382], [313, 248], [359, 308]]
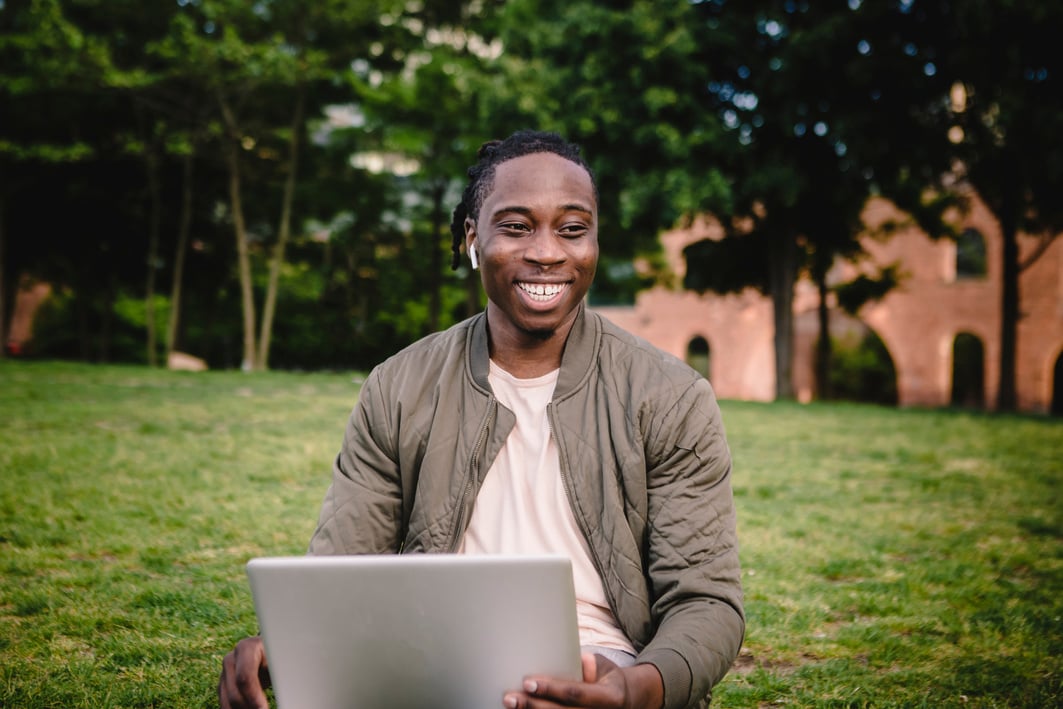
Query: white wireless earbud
[[472, 257]]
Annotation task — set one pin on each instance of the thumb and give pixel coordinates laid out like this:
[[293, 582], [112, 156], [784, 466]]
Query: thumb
[[590, 667]]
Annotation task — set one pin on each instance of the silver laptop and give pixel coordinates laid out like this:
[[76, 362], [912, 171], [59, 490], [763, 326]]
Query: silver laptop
[[436, 631]]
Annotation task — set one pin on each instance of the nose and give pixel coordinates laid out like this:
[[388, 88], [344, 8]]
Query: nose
[[545, 248]]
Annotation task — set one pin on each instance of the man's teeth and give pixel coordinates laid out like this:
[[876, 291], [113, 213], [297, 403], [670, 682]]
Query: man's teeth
[[540, 291]]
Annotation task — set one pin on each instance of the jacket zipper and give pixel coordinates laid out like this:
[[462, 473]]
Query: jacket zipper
[[481, 441]]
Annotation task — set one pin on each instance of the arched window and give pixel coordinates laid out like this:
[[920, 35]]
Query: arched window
[[863, 370], [970, 254], [698, 356], [968, 371]]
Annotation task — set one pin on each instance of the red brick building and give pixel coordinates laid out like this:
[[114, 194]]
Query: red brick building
[[947, 305]]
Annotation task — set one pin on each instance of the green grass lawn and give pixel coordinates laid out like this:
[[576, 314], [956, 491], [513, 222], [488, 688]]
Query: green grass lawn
[[890, 558]]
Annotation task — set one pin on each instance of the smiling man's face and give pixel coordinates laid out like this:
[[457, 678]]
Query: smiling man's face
[[537, 241]]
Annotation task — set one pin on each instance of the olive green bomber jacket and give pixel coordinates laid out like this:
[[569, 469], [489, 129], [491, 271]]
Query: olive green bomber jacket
[[644, 462]]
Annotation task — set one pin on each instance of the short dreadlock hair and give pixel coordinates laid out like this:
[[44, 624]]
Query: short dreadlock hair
[[482, 175]]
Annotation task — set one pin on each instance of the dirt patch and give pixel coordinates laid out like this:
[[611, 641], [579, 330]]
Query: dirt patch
[[747, 662]]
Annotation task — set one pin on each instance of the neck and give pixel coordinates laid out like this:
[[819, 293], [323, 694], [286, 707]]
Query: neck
[[526, 355]]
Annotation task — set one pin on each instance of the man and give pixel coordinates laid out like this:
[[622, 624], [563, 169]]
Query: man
[[537, 426]]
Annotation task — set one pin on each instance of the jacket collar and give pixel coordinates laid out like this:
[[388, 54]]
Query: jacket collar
[[581, 351]]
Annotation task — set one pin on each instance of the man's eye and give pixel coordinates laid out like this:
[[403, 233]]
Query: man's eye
[[514, 226], [572, 231]]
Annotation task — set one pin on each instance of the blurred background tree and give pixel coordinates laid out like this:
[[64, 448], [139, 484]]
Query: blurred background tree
[[819, 97], [270, 182], [1005, 116]]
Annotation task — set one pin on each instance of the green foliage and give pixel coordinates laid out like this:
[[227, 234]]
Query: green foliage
[[968, 371], [46, 152], [42, 49], [617, 282], [727, 266], [1011, 109], [627, 82], [134, 311], [780, 117], [768, 114], [971, 255], [864, 289], [61, 317], [863, 371]]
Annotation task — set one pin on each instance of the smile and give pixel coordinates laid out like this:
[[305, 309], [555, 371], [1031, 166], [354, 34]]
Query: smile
[[542, 292]]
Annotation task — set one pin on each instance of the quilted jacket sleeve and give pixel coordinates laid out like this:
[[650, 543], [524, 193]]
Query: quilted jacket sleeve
[[692, 554], [362, 511]]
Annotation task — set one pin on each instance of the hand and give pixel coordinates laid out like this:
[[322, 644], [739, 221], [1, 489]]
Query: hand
[[604, 685], [244, 676]]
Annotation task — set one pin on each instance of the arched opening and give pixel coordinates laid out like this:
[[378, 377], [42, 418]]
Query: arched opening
[[698, 356], [1057, 387], [970, 254], [863, 370], [968, 371]]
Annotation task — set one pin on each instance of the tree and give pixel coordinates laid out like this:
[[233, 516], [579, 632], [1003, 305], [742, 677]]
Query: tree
[[1007, 108], [768, 113], [40, 53], [428, 120], [61, 90], [633, 94], [254, 59], [184, 68], [206, 44], [828, 103]]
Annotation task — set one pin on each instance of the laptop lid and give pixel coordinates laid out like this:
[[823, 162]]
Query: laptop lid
[[419, 630]]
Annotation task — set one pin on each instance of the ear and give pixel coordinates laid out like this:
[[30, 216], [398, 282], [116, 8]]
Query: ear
[[470, 241]]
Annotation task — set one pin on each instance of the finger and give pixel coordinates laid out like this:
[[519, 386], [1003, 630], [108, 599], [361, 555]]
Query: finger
[[572, 694], [590, 667], [263, 672], [226, 688], [223, 695], [249, 666]]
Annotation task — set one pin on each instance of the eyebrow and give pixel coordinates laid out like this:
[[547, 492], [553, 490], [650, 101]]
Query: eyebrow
[[573, 207]]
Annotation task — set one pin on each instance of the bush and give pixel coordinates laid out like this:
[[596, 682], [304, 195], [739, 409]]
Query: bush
[[863, 371]]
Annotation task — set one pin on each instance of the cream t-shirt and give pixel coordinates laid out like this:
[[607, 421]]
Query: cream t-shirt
[[522, 507]]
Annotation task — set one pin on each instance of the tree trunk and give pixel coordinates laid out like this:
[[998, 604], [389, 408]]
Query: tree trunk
[[103, 344], [183, 230], [3, 284], [1008, 209], [243, 257], [283, 232], [782, 266], [1009, 313], [356, 296], [154, 222], [82, 308], [824, 346]]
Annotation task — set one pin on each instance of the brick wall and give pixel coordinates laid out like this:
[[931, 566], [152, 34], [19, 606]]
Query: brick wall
[[918, 322]]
